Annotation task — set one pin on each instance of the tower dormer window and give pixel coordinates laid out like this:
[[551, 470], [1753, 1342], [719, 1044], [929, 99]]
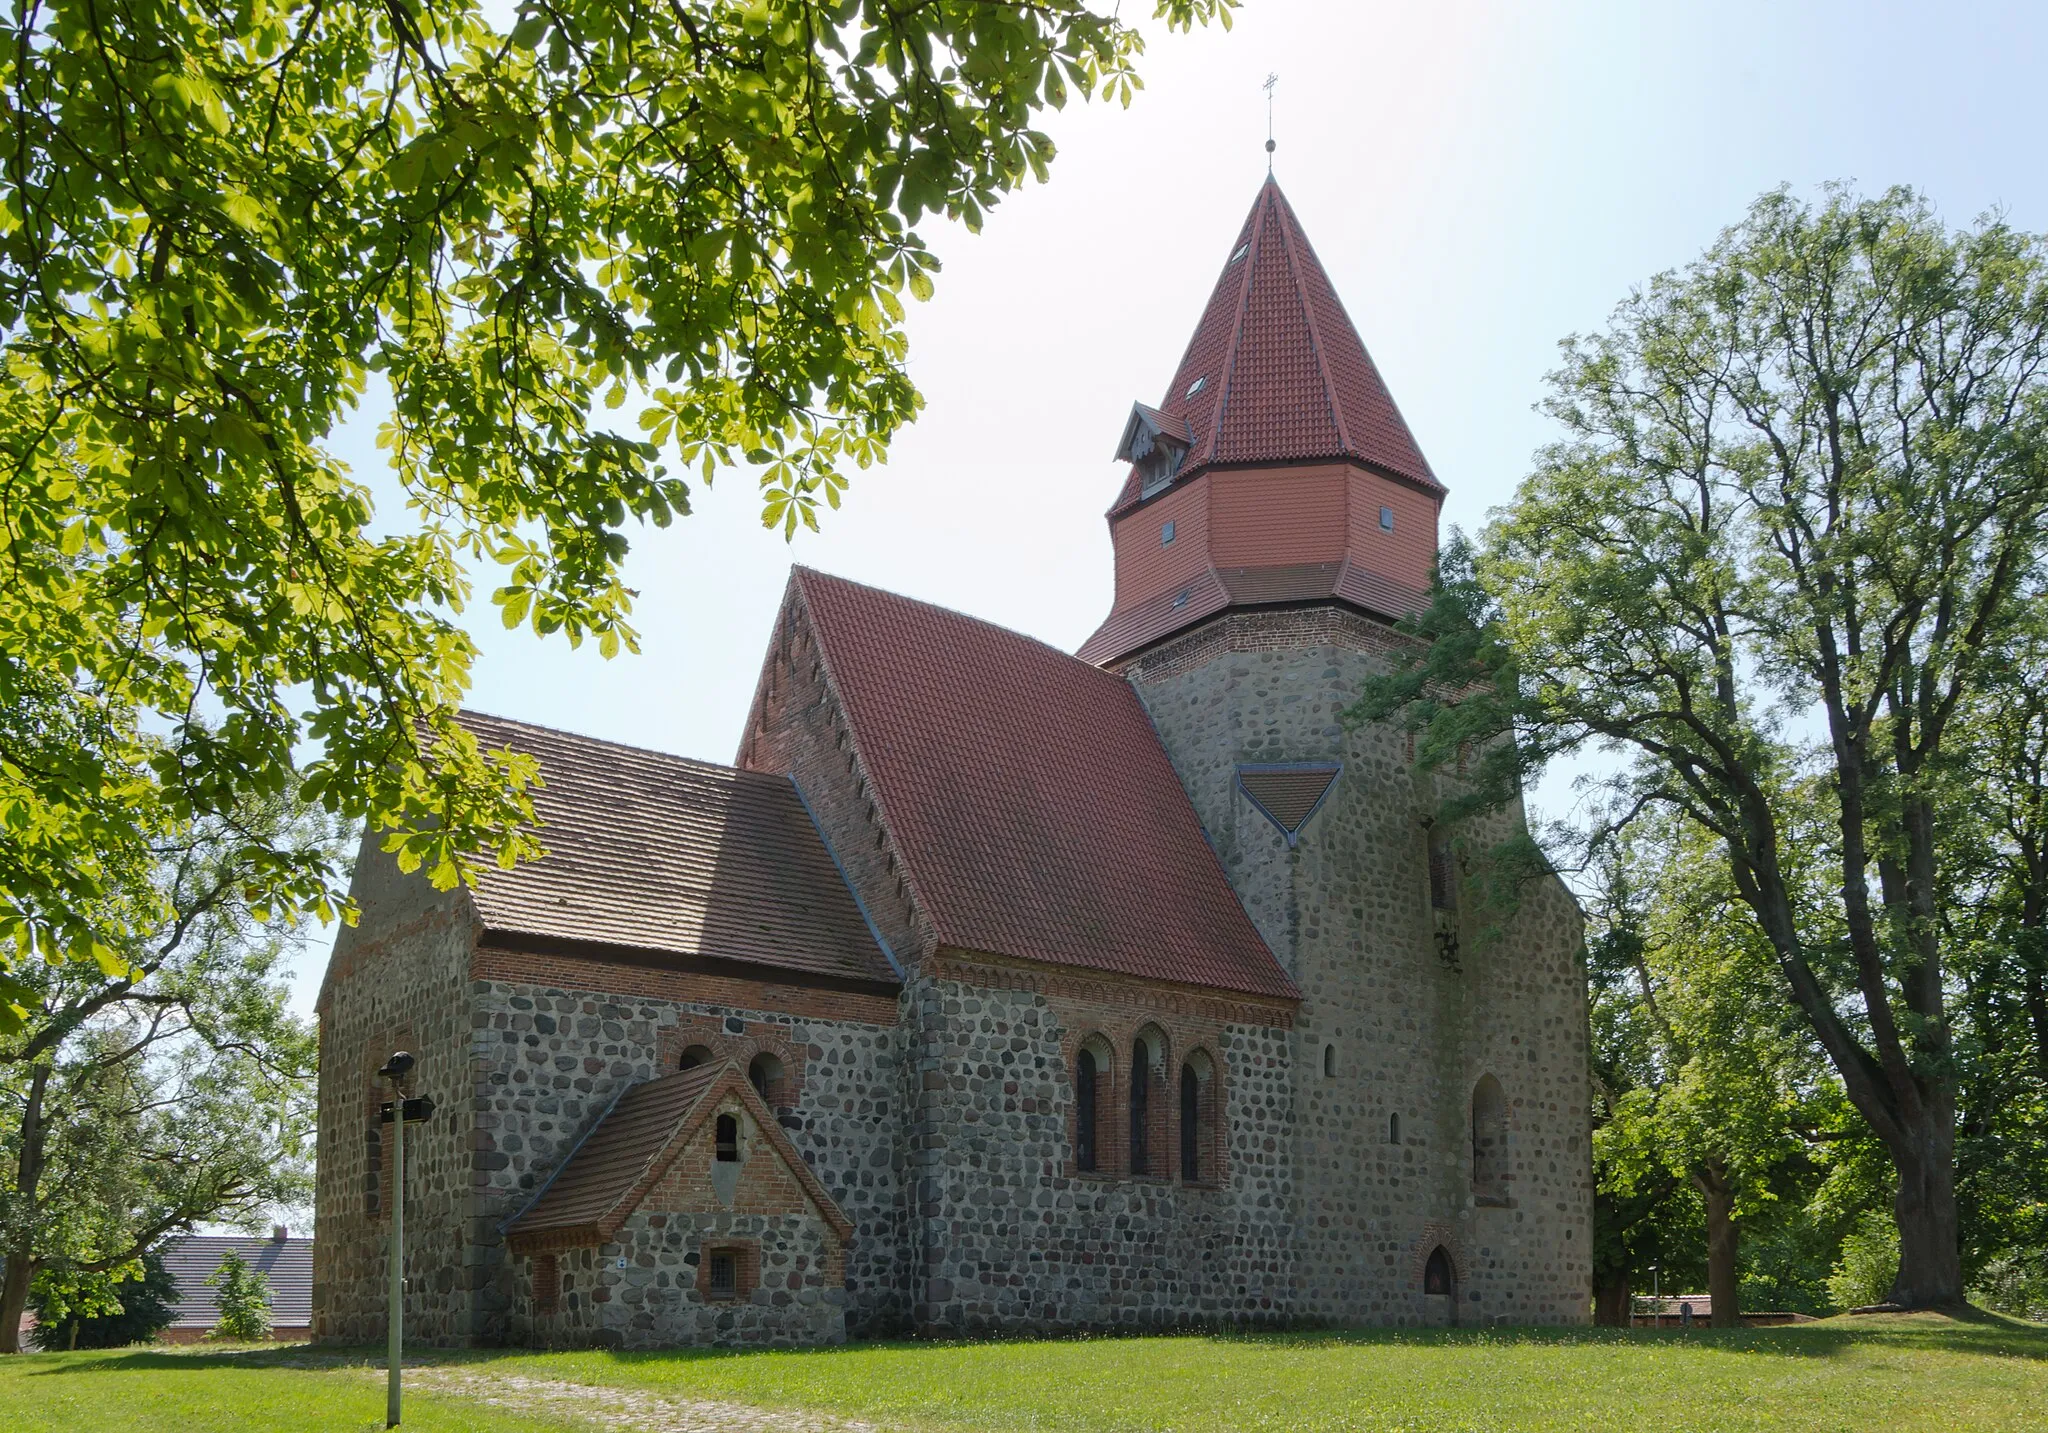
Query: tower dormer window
[[1386, 519], [1165, 534], [1154, 443], [1196, 387]]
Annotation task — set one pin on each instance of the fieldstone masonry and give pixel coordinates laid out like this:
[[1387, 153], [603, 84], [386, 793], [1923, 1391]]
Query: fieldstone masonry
[[943, 1123], [1405, 1008]]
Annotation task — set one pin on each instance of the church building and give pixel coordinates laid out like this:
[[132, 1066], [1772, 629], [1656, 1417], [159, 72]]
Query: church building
[[994, 989]]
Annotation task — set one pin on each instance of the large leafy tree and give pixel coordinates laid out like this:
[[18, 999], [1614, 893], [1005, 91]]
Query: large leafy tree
[[175, 1090], [1700, 1078], [221, 223], [1800, 508]]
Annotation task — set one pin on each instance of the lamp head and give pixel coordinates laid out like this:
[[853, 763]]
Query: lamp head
[[398, 1066]]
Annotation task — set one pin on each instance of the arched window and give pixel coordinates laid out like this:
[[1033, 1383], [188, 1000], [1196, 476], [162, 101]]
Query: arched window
[[1489, 1141], [764, 1072], [1151, 1104], [1329, 1062], [1198, 1119], [1141, 1108], [693, 1057], [1084, 1111], [1437, 1277], [727, 1135], [1393, 1129]]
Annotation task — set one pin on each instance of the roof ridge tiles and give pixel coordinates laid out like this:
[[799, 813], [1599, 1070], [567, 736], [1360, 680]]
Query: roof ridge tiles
[[953, 612], [625, 747]]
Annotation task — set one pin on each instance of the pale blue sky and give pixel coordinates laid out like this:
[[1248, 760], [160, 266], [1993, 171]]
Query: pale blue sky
[[1480, 179]]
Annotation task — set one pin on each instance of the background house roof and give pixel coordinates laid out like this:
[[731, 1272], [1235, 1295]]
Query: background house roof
[[675, 857], [1034, 810], [1276, 371], [286, 1263]]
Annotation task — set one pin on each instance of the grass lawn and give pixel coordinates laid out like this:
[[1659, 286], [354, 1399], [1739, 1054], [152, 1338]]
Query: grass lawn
[[1872, 1375], [204, 1390]]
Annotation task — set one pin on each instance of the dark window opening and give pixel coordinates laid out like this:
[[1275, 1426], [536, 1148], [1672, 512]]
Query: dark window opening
[[1393, 1129], [764, 1072], [1436, 1276], [1141, 1109], [1443, 874], [1084, 1111], [1489, 1140], [728, 1137], [1329, 1061], [694, 1056], [724, 1278], [1190, 1124]]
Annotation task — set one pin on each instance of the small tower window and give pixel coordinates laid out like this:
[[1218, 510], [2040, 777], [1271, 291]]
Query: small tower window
[[1443, 873], [728, 1137], [1196, 387], [1393, 1129], [1329, 1062], [1242, 250], [1165, 534], [1386, 519]]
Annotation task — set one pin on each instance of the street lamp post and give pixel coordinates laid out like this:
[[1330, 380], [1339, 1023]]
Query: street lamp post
[[397, 1113]]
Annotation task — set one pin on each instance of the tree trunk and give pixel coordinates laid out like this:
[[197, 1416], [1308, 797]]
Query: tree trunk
[[1611, 1299], [28, 1175], [1722, 1244], [14, 1298], [1930, 1258]]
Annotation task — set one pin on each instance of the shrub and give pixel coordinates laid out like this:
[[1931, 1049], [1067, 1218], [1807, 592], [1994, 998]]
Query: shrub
[[1869, 1263], [244, 1301], [2015, 1285], [146, 1305]]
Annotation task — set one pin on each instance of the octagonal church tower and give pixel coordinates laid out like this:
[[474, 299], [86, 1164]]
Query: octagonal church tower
[[1278, 518]]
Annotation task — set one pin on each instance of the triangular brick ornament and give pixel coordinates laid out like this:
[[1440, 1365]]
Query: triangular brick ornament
[[1287, 793]]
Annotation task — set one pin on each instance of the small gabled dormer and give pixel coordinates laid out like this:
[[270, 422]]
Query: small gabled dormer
[[1156, 444]]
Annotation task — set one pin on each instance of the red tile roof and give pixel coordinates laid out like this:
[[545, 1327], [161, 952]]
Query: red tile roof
[[602, 1181], [1033, 808], [1283, 374], [676, 858]]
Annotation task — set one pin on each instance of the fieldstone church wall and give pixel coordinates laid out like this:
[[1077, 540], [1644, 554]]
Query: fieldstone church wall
[[1015, 1237], [1405, 1009], [551, 1057], [398, 980]]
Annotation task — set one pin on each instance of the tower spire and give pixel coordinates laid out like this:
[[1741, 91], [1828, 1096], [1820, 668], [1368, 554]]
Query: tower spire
[[1272, 81]]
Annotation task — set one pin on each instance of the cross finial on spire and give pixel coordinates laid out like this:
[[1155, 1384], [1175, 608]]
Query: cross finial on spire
[[1272, 80]]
